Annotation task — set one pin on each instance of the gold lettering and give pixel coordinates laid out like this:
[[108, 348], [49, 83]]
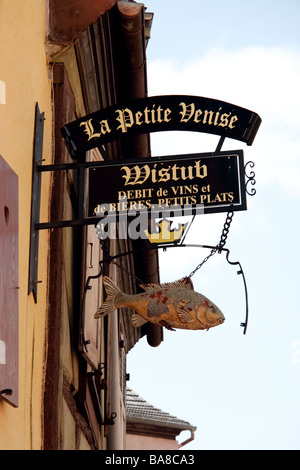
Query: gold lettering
[[139, 174], [153, 173], [224, 120], [122, 195], [123, 205], [159, 111], [99, 209], [135, 193], [201, 170], [164, 174], [132, 205], [197, 115], [125, 118], [187, 111], [207, 116], [167, 114], [148, 192], [153, 115], [136, 174], [217, 117], [189, 175], [182, 190], [89, 129], [206, 113], [162, 192], [146, 112], [105, 127], [174, 172], [232, 120], [187, 189], [217, 198], [174, 201], [138, 115]]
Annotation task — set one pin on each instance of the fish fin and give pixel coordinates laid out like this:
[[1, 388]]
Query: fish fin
[[137, 320], [184, 316], [185, 283], [108, 306], [167, 325]]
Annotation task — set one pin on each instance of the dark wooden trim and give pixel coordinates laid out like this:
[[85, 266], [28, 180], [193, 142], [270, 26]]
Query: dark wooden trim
[[79, 420], [64, 103]]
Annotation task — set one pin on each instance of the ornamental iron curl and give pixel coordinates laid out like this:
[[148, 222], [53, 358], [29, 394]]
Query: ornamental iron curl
[[250, 179]]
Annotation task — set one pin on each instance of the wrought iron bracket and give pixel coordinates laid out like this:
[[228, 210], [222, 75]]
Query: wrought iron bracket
[[35, 225], [111, 259], [250, 179], [35, 201]]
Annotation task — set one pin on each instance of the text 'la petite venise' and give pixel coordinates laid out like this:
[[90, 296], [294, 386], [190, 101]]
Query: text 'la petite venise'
[[126, 119]]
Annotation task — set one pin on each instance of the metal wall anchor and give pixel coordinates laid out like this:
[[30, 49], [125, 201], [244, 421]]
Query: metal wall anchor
[[6, 391]]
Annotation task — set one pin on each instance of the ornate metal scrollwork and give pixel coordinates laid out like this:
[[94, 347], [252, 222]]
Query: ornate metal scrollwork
[[250, 179]]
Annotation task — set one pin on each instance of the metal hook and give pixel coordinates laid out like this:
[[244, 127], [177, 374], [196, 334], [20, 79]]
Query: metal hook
[[86, 288], [244, 324]]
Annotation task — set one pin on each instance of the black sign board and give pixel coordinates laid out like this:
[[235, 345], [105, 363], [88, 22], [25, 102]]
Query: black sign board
[[186, 184], [160, 113]]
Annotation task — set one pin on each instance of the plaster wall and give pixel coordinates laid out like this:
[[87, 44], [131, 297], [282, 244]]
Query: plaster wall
[[25, 80]]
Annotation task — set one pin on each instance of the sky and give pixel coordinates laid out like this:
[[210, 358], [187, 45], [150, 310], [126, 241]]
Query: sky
[[240, 391]]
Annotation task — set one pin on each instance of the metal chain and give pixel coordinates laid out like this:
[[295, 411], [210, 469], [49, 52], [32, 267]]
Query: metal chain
[[225, 230], [221, 244], [138, 280], [213, 251]]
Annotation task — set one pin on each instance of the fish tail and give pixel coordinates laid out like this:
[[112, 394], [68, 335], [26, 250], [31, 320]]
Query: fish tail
[[109, 305]]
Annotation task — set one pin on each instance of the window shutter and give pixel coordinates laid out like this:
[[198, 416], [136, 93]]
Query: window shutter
[[9, 282]]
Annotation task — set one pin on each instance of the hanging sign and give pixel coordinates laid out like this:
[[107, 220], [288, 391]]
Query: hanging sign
[[160, 113], [177, 185]]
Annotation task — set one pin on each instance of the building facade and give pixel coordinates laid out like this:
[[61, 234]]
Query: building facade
[[149, 428], [63, 373]]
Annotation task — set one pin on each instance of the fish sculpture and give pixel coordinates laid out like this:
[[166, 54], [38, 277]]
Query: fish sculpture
[[171, 305]]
